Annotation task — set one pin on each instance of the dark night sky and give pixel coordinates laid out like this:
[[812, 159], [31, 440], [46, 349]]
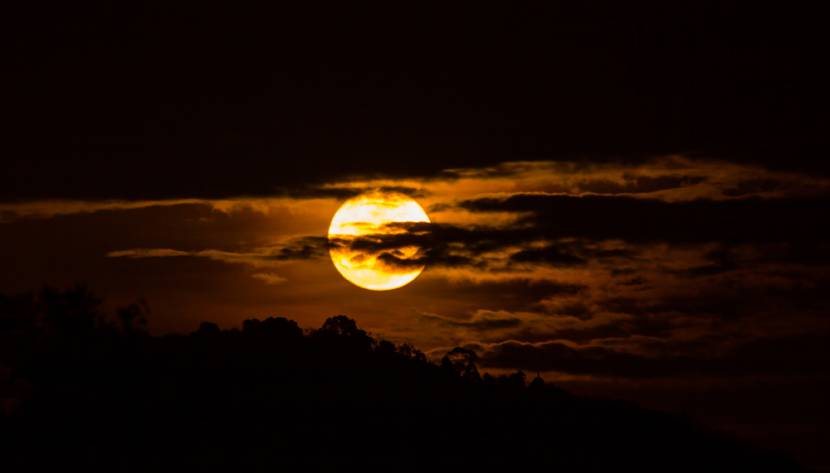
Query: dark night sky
[[628, 199], [154, 101]]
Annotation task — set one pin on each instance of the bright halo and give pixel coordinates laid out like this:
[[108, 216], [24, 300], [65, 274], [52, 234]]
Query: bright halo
[[366, 215]]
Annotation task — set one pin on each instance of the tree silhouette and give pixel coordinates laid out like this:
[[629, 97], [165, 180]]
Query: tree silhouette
[[207, 329], [133, 318], [461, 362], [341, 326], [275, 328], [408, 351], [343, 332], [81, 391]]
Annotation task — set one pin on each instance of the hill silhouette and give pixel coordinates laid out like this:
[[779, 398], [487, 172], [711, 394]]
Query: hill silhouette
[[83, 390]]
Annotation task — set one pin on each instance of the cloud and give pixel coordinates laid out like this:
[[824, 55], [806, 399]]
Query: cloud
[[566, 230], [39, 209], [646, 220], [269, 278], [482, 321], [669, 178], [46, 209], [147, 253], [802, 354], [301, 248], [477, 246], [550, 254], [347, 189]]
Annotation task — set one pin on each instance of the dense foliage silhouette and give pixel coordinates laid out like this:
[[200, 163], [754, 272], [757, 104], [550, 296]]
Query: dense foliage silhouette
[[82, 390]]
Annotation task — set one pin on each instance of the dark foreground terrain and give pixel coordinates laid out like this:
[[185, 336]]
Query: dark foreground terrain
[[85, 392]]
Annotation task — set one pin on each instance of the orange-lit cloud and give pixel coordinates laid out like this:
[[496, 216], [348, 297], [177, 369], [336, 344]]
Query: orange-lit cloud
[[669, 257]]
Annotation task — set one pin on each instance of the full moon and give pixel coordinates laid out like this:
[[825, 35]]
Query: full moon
[[369, 215]]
